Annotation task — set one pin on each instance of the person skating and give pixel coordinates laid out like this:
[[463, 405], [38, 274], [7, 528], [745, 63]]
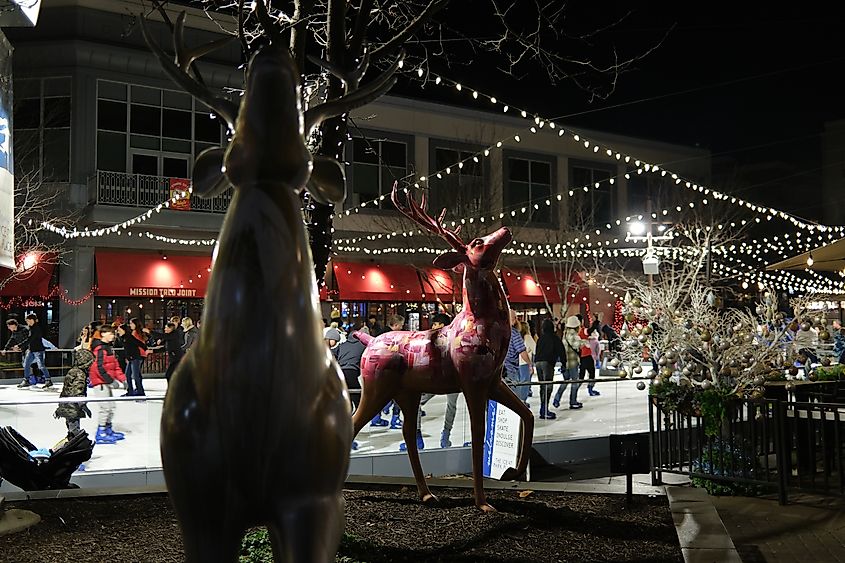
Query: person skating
[[18, 337], [549, 351], [590, 351], [135, 350], [101, 376], [517, 350], [76, 385], [572, 344], [172, 340], [35, 343], [348, 355], [394, 322]]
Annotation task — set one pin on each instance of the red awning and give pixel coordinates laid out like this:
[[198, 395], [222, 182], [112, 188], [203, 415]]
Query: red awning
[[440, 284], [377, 282], [34, 281], [523, 287], [148, 275]]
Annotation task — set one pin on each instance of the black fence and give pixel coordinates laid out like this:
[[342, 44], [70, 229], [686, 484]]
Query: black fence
[[759, 446], [59, 361]]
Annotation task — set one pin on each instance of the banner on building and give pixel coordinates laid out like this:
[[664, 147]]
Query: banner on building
[[7, 170], [180, 186]]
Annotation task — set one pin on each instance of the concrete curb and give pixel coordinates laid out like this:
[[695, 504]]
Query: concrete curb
[[701, 533]]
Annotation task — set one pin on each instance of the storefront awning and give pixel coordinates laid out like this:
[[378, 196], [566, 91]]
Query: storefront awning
[[827, 258], [523, 287], [151, 275], [440, 284], [377, 282], [34, 281]]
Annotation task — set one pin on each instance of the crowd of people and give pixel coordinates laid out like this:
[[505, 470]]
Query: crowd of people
[[574, 343], [106, 357]]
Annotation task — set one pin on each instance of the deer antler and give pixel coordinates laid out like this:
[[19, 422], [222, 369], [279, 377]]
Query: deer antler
[[226, 109], [354, 99], [416, 213]]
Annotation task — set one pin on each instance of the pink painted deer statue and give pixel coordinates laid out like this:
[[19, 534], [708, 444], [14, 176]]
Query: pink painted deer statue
[[466, 355], [256, 427]]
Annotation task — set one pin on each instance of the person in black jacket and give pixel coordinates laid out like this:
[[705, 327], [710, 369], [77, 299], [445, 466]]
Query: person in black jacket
[[18, 338], [549, 350], [135, 350], [35, 343], [172, 340], [348, 355]]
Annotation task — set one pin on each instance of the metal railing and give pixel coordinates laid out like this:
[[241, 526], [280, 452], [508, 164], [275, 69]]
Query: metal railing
[[60, 360], [139, 190], [768, 444]]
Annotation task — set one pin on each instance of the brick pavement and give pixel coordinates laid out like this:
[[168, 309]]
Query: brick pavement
[[810, 529]]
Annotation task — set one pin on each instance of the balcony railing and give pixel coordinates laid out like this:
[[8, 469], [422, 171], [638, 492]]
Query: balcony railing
[[140, 190]]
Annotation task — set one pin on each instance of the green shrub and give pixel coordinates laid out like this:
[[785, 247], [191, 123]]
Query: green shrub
[[256, 547]]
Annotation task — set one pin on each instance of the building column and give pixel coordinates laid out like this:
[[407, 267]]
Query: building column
[[77, 277]]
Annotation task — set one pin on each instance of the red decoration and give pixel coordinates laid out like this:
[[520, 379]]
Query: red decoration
[[618, 319]]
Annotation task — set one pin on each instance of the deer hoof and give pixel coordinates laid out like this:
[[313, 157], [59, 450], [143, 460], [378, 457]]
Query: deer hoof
[[484, 507], [430, 500], [511, 474]]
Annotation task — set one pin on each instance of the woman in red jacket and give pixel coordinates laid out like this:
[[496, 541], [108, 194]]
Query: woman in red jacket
[[101, 375]]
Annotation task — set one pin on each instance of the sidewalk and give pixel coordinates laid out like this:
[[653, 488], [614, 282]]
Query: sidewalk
[[808, 529]]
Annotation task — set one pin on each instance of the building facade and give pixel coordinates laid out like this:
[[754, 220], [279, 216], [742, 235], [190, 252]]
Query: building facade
[[97, 119]]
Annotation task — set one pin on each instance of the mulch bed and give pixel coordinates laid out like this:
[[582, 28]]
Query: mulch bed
[[382, 524]]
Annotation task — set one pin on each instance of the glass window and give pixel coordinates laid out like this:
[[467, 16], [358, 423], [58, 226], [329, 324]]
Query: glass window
[[145, 142], [206, 128], [145, 120], [376, 164], [145, 164], [530, 183], [144, 95], [27, 113], [57, 87], [174, 167], [27, 151], [172, 145], [111, 116], [56, 167], [111, 90], [176, 124], [179, 100], [595, 206], [461, 189], [111, 151], [56, 112]]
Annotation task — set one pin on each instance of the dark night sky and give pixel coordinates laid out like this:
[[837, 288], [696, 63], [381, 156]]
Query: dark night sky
[[728, 77]]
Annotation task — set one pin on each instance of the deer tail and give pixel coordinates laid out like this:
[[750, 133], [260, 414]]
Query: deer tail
[[363, 337]]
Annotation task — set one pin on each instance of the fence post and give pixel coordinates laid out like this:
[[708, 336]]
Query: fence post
[[781, 452]]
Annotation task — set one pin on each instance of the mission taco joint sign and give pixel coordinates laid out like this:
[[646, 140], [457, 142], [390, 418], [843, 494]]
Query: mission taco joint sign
[[162, 292]]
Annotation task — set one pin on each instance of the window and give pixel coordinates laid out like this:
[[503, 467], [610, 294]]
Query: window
[[377, 162], [150, 131], [529, 182], [460, 187], [592, 202], [42, 115]]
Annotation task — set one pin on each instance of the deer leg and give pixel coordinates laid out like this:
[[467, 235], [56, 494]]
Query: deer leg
[[373, 398], [309, 530], [503, 395], [477, 406], [410, 405]]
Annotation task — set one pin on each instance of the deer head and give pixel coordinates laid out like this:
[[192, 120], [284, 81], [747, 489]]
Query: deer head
[[481, 253], [267, 148]]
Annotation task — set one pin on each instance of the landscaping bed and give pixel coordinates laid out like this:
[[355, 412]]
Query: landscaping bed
[[382, 524]]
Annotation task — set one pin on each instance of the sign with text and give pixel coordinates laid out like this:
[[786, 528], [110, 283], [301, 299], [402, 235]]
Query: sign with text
[[162, 292], [179, 186], [501, 439], [7, 170]]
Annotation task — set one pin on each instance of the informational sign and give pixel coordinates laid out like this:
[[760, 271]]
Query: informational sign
[[7, 170], [501, 440], [180, 186]]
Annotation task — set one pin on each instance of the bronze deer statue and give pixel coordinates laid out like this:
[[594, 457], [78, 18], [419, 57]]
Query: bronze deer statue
[[466, 355], [256, 427]]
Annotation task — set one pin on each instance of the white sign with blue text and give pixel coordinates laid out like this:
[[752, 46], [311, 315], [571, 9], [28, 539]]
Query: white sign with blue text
[[501, 440]]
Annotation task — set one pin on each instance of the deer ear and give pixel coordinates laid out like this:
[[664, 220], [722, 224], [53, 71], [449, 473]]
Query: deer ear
[[208, 178], [328, 181], [450, 260]]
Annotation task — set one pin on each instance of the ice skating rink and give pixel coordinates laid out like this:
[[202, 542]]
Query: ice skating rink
[[620, 408]]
